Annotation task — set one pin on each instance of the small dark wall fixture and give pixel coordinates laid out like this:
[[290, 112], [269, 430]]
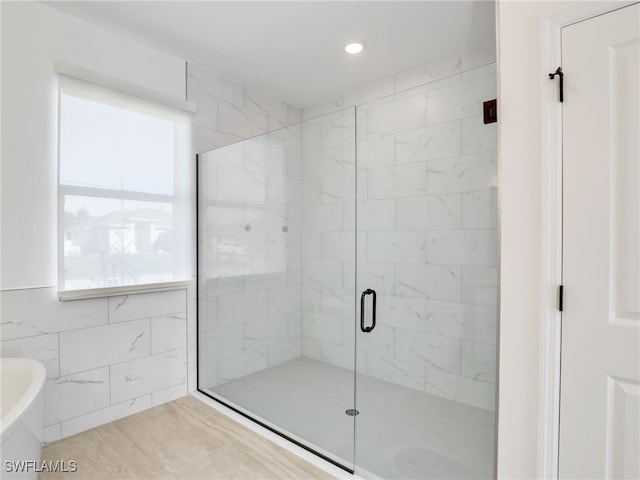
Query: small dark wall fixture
[[490, 110]]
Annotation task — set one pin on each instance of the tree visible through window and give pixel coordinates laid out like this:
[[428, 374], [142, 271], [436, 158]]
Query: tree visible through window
[[122, 178]]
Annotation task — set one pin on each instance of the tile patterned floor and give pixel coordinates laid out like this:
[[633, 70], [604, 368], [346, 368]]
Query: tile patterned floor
[[401, 433], [183, 439]]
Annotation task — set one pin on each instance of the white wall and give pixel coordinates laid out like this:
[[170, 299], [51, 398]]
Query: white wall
[[34, 37], [106, 357], [520, 150]]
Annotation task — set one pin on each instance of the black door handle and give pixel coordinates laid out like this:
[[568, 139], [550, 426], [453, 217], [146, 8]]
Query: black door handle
[[373, 311]]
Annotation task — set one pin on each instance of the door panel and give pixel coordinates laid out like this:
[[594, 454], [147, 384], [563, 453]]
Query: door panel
[[600, 379]]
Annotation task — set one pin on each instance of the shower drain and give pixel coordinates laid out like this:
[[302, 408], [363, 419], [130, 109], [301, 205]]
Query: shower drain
[[352, 412]]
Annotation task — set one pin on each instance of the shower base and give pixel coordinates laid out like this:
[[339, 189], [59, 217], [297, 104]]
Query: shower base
[[400, 432]]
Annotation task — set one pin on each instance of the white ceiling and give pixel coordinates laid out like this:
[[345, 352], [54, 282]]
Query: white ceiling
[[293, 50]]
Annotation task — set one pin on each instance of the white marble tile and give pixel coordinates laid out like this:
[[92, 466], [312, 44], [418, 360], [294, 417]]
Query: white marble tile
[[169, 394], [241, 185], [338, 355], [222, 216], [312, 136], [373, 215], [402, 312], [381, 341], [261, 103], [240, 121], [283, 351], [105, 415], [459, 320], [428, 73], [430, 211], [204, 80], [480, 209], [145, 305], [90, 348], [395, 116], [428, 143], [322, 108], [241, 365], [480, 285], [322, 218], [376, 152], [294, 324], [411, 213], [339, 245], [398, 181], [282, 301], [310, 194], [262, 218], [205, 139], [395, 371], [264, 332], [322, 273], [370, 92], [73, 395], [338, 188], [461, 389], [462, 174], [339, 129], [321, 163], [397, 246], [145, 375], [479, 361], [312, 245], [337, 302], [324, 328], [380, 276], [225, 342], [222, 285], [478, 57], [168, 332], [311, 348], [477, 247], [438, 282], [428, 350], [241, 307], [478, 137], [38, 311], [459, 101], [207, 113], [43, 348]]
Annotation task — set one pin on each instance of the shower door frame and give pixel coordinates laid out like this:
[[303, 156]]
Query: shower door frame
[[228, 404]]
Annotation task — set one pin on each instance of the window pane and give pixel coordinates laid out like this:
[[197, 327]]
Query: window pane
[[111, 242], [104, 146]]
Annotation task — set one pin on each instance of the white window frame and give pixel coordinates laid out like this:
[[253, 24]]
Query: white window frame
[[78, 79]]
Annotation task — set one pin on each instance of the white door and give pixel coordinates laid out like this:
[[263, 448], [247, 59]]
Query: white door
[[600, 370]]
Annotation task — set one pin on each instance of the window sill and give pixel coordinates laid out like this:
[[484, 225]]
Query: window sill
[[68, 295]]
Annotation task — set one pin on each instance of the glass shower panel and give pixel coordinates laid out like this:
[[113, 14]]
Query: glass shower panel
[[273, 312], [427, 247]]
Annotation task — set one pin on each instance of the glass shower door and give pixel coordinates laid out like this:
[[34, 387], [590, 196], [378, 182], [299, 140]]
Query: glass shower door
[[276, 248], [426, 282]]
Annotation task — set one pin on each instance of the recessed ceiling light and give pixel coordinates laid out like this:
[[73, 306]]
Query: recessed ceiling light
[[354, 48]]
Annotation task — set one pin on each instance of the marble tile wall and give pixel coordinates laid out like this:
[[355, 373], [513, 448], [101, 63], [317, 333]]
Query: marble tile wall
[[427, 236], [105, 358], [250, 228]]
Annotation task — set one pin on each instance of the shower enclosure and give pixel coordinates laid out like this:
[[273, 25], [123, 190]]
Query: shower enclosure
[[347, 281]]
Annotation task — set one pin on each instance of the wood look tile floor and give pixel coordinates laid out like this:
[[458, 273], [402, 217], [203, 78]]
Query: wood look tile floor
[[184, 438]]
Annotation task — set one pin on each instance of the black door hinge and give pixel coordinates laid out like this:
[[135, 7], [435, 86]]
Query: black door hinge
[[560, 296], [560, 75]]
